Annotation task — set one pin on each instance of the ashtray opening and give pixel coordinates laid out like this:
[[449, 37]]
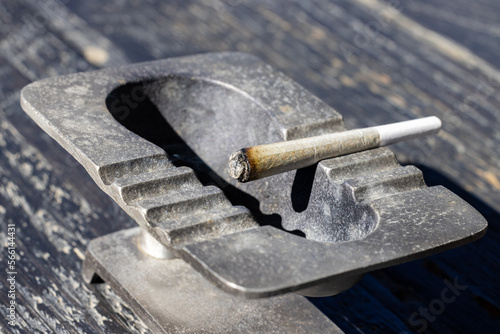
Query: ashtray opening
[[132, 106], [199, 123]]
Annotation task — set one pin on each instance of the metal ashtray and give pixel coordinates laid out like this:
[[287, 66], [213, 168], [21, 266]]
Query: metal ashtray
[[156, 137]]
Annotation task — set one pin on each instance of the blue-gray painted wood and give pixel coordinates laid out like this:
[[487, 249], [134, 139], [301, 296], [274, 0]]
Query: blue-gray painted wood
[[382, 76]]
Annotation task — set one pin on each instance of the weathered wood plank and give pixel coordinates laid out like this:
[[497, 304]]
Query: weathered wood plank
[[54, 224], [475, 25], [371, 75], [54, 220]]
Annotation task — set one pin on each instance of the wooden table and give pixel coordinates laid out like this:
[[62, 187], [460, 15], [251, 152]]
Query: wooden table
[[375, 62]]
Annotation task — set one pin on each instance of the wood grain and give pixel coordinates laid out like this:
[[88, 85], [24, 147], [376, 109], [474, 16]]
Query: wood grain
[[371, 62]]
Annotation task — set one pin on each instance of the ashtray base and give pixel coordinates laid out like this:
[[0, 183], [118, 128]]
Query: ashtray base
[[170, 296]]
